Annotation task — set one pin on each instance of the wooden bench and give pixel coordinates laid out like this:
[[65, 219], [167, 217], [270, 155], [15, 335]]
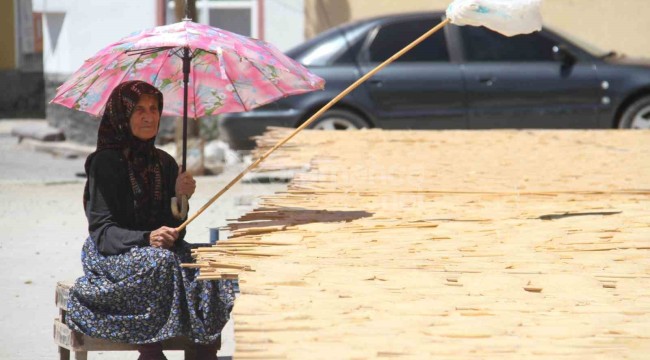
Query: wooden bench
[[70, 341]]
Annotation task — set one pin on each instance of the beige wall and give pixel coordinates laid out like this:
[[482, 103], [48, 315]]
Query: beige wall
[[620, 25], [7, 36]]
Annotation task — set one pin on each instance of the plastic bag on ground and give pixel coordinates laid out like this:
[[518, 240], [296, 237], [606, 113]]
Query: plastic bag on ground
[[508, 17]]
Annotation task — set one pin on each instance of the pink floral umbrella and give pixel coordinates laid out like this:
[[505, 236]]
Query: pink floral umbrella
[[201, 70]]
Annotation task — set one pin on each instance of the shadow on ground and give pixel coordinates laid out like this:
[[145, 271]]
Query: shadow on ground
[[283, 217], [568, 214]]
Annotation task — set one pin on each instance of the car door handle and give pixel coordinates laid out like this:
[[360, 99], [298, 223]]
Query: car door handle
[[376, 82], [487, 80]]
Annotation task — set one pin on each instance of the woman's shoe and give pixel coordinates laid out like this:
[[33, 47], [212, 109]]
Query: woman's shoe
[[151, 352], [208, 352]]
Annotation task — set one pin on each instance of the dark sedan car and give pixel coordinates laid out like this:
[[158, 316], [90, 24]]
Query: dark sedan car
[[460, 78]]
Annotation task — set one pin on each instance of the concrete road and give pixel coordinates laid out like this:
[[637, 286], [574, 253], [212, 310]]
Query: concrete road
[[19, 164], [43, 226]]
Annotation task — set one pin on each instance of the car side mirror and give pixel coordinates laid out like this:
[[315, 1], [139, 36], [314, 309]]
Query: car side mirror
[[563, 55]]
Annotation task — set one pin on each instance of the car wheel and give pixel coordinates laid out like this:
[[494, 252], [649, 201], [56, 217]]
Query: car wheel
[[637, 115], [339, 120]]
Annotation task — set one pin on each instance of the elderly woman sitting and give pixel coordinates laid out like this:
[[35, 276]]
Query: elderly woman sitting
[[134, 290]]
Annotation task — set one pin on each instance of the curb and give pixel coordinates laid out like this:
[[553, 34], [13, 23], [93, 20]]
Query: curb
[[60, 148]]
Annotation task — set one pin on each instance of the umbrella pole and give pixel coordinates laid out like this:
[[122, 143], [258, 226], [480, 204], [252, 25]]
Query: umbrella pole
[[186, 78], [314, 117]]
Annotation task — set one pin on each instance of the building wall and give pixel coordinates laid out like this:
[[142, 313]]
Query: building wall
[[74, 30], [620, 25], [21, 67], [284, 22], [7, 35]]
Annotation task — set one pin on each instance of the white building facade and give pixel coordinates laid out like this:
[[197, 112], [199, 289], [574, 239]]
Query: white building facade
[[74, 30]]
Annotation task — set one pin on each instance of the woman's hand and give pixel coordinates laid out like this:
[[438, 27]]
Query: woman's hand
[[185, 184], [164, 237]]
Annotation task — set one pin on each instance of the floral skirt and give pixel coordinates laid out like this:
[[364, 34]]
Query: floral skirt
[[144, 296]]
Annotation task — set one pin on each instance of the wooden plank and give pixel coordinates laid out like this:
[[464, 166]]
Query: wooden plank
[[64, 354], [62, 293], [66, 338], [74, 341]]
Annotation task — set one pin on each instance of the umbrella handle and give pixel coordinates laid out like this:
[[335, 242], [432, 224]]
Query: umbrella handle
[[315, 116], [186, 78], [180, 212]]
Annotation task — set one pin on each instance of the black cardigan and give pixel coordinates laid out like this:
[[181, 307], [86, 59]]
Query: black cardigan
[[110, 208]]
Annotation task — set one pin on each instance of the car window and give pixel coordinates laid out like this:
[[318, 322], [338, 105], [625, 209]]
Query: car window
[[393, 37], [584, 45], [481, 44], [322, 54], [335, 46]]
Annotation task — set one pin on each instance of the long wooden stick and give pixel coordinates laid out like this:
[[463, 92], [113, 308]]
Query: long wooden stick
[[314, 117]]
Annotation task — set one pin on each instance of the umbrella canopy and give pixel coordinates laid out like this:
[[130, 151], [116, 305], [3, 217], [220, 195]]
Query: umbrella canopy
[[227, 72]]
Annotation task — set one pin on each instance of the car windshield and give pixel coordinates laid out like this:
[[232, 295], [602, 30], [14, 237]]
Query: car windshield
[[326, 47], [586, 46]]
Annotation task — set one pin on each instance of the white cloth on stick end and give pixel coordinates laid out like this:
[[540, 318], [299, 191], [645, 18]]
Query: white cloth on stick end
[[508, 17]]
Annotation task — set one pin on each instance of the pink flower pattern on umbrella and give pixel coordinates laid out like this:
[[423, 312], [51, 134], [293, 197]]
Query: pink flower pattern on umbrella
[[229, 72]]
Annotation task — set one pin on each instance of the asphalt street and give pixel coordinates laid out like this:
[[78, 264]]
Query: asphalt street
[[43, 224]]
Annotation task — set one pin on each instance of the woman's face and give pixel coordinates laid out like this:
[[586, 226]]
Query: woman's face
[[145, 118]]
